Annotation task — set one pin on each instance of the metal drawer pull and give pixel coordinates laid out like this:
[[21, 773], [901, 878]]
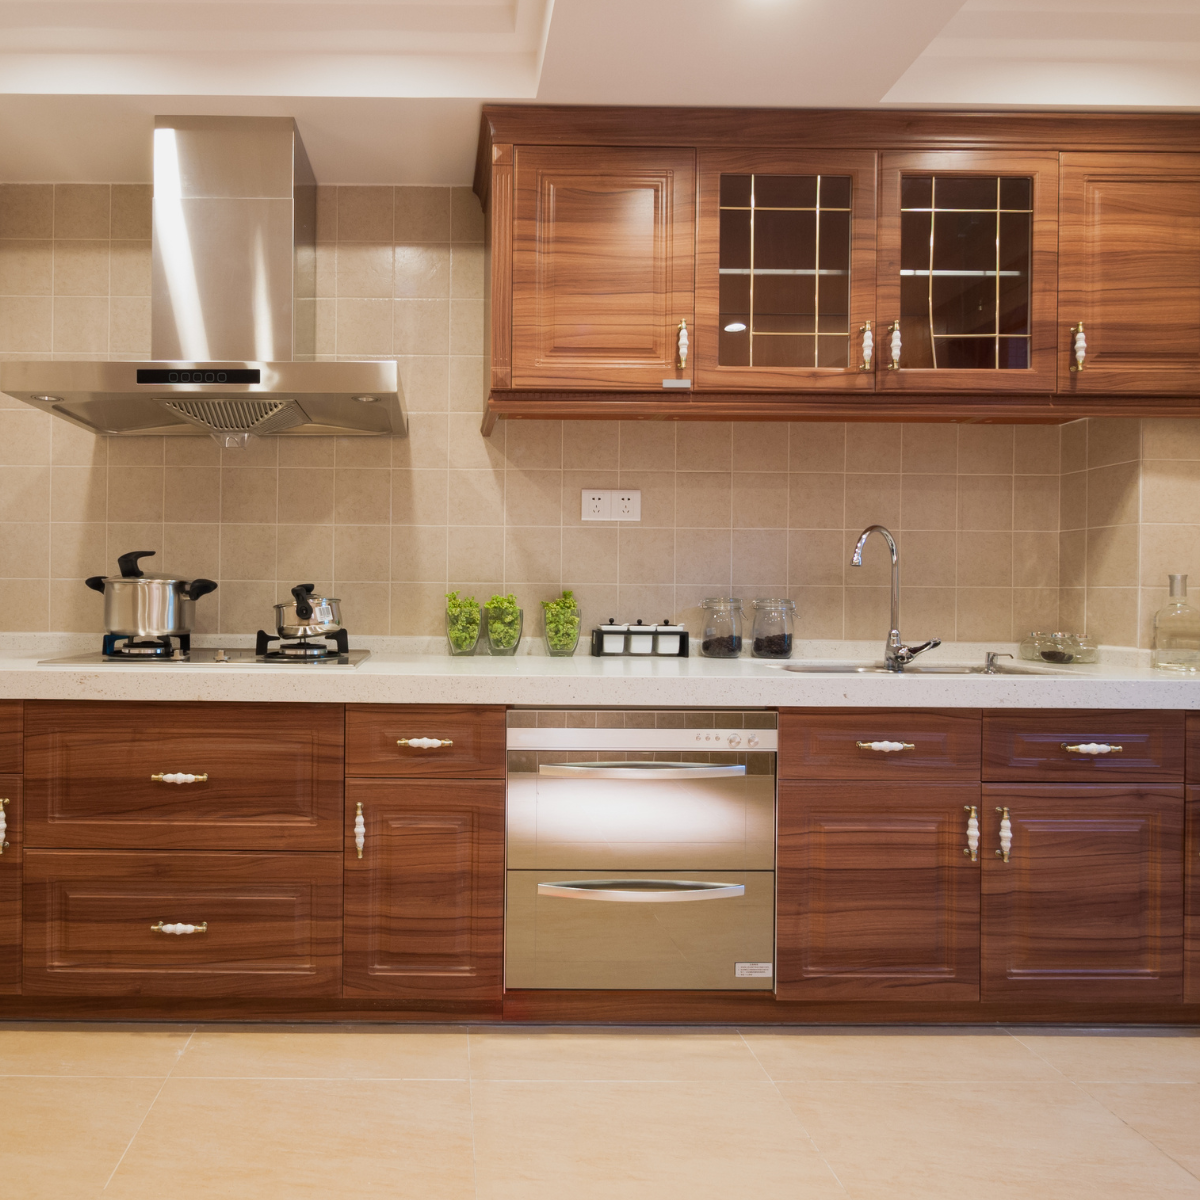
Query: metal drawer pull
[[360, 830], [1092, 748], [425, 743], [640, 770], [972, 846], [180, 928], [886, 747], [868, 346], [3, 826], [894, 348], [1005, 835], [179, 777], [640, 891], [682, 344]]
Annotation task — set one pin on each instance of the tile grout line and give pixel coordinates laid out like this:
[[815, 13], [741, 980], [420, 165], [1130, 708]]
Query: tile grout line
[[149, 1108], [471, 1105]]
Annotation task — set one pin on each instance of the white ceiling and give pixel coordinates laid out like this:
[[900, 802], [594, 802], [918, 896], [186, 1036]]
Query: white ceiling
[[389, 91]]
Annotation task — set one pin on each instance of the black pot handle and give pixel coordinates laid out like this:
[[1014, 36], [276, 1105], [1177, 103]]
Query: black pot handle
[[129, 563], [96, 583], [200, 587], [301, 593]]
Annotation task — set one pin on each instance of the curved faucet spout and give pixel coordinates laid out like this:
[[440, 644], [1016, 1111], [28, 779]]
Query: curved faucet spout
[[895, 654]]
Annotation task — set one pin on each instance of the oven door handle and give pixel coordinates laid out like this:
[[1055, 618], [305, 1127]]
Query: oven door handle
[[640, 770], [640, 891]]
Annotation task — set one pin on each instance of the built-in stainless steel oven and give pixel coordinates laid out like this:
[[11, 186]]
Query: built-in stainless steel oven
[[641, 849]]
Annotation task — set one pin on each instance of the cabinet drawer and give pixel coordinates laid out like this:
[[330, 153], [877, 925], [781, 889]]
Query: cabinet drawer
[[849, 744], [473, 741], [274, 776], [1033, 745], [273, 924]]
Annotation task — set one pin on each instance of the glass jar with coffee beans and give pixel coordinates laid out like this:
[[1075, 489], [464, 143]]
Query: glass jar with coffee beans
[[773, 621], [722, 632]]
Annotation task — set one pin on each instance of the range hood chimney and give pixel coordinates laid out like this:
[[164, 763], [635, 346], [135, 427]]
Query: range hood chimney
[[233, 305]]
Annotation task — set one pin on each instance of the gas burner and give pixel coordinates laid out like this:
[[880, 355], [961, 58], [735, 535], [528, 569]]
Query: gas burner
[[146, 649], [303, 649]]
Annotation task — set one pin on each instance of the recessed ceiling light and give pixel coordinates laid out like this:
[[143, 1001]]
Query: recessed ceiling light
[[366, 399], [735, 327], [46, 399]]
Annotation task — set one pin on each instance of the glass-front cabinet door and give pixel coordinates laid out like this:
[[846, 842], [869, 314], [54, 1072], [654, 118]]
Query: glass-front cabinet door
[[967, 272], [785, 272]]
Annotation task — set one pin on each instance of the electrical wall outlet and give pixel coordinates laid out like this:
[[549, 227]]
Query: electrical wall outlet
[[627, 504], [597, 504]]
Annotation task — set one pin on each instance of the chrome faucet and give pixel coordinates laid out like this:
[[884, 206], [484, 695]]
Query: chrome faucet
[[895, 654]]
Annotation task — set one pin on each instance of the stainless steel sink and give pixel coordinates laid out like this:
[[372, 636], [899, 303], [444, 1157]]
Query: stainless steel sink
[[877, 668]]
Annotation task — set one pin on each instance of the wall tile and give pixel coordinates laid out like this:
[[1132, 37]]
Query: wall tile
[[417, 498], [591, 445], [647, 446], [647, 556], [985, 449], [475, 550], [26, 210], [249, 495], [703, 499], [1169, 550], [984, 614], [927, 611], [1170, 490], [1035, 502], [304, 553], [872, 500], [1113, 495], [423, 272], [418, 553], [867, 613], [248, 552], [466, 326], [1112, 615], [658, 496], [816, 501], [26, 324], [1112, 556], [26, 267], [1113, 440], [465, 384], [533, 444], [818, 611], [985, 560], [466, 216], [131, 211], [305, 495], [531, 557], [816, 558], [929, 558], [759, 500], [589, 556], [364, 214], [533, 498], [1073, 446], [760, 446], [81, 269], [422, 214], [81, 210], [193, 551], [760, 558], [704, 556], [1037, 449], [929, 501], [1165, 438], [929, 449], [1035, 609], [364, 327], [192, 495], [1035, 560], [704, 446], [135, 494], [466, 272], [816, 446], [985, 502], [81, 325], [26, 607], [872, 448], [363, 497], [364, 269]]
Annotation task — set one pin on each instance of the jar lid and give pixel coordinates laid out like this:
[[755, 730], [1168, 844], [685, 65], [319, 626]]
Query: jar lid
[[721, 602], [781, 602]]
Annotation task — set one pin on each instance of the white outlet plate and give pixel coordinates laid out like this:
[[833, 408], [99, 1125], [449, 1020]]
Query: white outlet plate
[[611, 504]]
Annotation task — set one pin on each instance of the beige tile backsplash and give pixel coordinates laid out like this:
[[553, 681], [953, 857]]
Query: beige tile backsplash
[[391, 524]]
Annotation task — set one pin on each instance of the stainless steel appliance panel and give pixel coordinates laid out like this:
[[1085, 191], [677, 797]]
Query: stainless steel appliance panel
[[722, 941]]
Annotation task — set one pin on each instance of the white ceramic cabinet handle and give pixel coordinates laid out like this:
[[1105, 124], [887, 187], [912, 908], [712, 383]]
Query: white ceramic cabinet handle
[[886, 747], [1079, 346], [972, 847], [179, 777], [180, 928], [895, 347], [3, 826], [1092, 748], [425, 743], [683, 344], [360, 830], [868, 347], [1005, 835]]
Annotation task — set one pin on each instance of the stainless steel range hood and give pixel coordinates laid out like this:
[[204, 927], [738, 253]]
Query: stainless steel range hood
[[233, 305]]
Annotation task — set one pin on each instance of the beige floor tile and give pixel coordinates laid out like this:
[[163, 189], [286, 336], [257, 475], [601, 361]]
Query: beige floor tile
[[325, 1052], [638, 1141], [299, 1139], [113, 1050], [897, 1056], [989, 1141], [1169, 1055], [611, 1054], [1168, 1114], [61, 1138]]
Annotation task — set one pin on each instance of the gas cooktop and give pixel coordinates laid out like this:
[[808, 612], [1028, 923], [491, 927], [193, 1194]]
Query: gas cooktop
[[214, 656]]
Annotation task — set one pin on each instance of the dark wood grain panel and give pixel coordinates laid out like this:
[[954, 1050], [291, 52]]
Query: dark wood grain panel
[[498, 235], [10, 886], [1191, 874], [877, 898], [274, 923], [1043, 170], [1027, 744], [1192, 728], [274, 775], [602, 265], [1130, 271], [373, 732], [823, 744], [425, 903], [712, 164], [1089, 906], [11, 736]]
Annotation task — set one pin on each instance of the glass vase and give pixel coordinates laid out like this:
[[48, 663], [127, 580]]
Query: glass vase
[[462, 631], [504, 630], [562, 641]]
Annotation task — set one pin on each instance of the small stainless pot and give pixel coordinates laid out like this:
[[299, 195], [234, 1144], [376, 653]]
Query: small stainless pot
[[141, 605], [307, 615]]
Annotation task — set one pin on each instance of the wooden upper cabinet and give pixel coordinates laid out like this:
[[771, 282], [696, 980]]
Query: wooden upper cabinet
[[785, 269], [1130, 272], [603, 260], [966, 262]]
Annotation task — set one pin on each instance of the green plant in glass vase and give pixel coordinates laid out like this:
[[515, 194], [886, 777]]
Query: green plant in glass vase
[[504, 620], [562, 625], [463, 617]]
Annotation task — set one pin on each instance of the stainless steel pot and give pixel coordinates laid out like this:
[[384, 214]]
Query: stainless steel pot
[[307, 615], [141, 605]]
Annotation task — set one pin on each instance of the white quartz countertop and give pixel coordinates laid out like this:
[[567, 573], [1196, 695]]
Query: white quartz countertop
[[392, 677]]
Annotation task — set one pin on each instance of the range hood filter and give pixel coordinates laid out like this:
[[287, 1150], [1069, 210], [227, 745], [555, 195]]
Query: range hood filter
[[232, 422]]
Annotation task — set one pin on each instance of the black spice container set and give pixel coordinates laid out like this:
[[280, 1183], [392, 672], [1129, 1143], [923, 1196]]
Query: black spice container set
[[772, 630]]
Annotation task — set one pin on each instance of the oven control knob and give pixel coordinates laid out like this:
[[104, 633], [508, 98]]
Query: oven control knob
[[752, 740], [735, 739]]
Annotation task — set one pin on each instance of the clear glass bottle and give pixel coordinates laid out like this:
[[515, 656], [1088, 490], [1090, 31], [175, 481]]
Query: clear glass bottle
[[1177, 631], [773, 628], [722, 635]]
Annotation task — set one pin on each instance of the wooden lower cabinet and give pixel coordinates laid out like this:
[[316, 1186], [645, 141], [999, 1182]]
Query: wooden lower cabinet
[[425, 902], [10, 886], [94, 923], [1089, 905], [877, 899]]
